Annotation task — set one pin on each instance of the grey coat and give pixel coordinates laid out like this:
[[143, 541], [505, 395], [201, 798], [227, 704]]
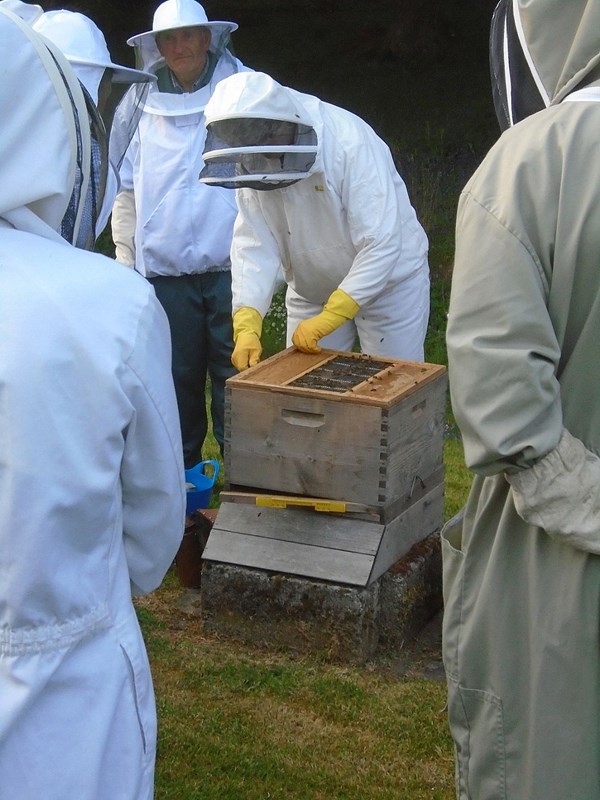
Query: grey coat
[[522, 598]]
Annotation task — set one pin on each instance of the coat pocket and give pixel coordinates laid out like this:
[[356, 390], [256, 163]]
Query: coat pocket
[[476, 723], [452, 551], [143, 697], [452, 560]]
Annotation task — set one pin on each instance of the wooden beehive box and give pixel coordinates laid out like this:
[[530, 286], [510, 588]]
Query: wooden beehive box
[[341, 426]]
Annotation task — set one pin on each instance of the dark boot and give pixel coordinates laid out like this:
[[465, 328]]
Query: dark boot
[[188, 561]]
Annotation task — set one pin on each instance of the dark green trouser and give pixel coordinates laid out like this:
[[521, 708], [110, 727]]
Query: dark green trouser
[[199, 312]]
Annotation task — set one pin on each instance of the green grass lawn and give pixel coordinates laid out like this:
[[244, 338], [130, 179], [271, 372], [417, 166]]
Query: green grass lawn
[[244, 723]]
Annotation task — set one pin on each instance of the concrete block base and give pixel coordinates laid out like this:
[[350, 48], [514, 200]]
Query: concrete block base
[[337, 622], [410, 594]]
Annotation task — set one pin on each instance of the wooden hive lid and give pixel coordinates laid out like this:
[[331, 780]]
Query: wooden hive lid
[[347, 377]]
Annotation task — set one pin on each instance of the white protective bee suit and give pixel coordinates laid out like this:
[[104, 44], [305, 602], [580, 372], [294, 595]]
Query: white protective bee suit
[[521, 631], [343, 221], [92, 498]]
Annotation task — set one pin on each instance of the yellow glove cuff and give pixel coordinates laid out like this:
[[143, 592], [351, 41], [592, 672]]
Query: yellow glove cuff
[[342, 304], [246, 320], [337, 310]]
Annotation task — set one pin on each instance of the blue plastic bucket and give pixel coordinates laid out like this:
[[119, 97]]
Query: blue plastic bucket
[[200, 485]]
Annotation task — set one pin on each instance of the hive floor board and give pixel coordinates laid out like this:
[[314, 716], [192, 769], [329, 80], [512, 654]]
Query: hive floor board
[[312, 528], [319, 545], [292, 558]]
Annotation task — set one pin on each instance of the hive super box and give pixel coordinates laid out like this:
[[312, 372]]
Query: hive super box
[[342, 426]]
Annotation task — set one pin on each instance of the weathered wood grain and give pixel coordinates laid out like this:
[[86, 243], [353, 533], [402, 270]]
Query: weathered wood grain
[[323, 546], [302, 526]]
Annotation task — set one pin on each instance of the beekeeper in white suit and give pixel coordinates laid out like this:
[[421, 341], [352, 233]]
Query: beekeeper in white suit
[[92, 498], [84, 46], [337, 220], [174, 229]]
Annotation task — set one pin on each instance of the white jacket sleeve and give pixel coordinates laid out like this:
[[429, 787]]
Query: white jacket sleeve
[[561, 494], [375, 221], [255, 260], [152, 475], [123, 223]]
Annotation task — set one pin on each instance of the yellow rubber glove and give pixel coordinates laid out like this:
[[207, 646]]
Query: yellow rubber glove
[[247, 327], [338, 309]]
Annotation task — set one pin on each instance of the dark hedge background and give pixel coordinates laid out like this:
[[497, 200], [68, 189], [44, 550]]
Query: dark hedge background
[[418, 31]]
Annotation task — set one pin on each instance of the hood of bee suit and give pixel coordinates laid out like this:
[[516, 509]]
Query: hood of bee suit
[[255, 95], [260, 135], [540, 51], [84, 46], [26, 11], [42, 131], [173, 14]]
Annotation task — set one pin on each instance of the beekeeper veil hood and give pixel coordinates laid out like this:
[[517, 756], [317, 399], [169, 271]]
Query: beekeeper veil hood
[[259, 135], [45, 133], [174, 14], [540, 51], [84, 46]]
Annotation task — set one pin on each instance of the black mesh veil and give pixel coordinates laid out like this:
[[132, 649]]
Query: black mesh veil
[[148, 57], [78, 225], [221, 46], [121, 117], [257, 153], [514, 89], [94, 197]]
